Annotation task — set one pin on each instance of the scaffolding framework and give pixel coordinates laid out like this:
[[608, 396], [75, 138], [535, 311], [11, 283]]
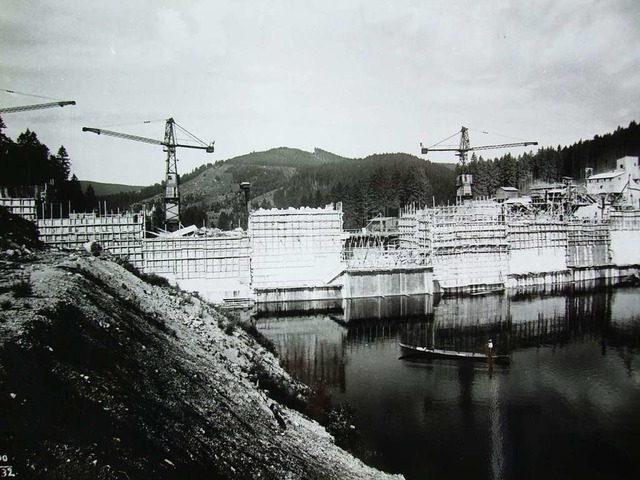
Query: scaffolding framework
[[299, 245], [118, 234], [625, 220], [588, 243], [23, 207], [224, 256]]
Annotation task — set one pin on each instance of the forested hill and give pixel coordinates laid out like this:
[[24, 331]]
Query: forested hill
[[551, 164], [210, 193], [378, 184], [284, 177]]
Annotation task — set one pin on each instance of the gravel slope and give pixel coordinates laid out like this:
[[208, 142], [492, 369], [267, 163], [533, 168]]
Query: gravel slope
[[103, 376]]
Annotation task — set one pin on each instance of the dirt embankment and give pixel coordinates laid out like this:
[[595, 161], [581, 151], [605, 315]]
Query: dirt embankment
[[105, 376]]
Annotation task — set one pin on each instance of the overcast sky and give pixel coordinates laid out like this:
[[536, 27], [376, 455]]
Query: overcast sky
[[351, 77]]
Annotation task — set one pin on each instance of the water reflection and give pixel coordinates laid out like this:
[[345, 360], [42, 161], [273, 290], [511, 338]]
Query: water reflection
[[405, 306], [564, 408], [311, 347]]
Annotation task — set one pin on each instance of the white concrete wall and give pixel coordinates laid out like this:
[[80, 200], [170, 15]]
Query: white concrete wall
[[291, 247], [457, 270], [387, 282], [537, 260], [625, 247]]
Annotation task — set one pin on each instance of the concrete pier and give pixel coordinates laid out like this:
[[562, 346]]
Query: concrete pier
[[387, 282]]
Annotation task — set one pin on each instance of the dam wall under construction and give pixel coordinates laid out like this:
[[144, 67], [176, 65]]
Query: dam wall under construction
[[624, 232], [305, 255]]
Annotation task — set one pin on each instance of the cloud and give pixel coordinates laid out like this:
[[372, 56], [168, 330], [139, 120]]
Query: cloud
[[356, 76]]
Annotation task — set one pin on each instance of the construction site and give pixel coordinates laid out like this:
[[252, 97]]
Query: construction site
[[303, 255], [549, 235]]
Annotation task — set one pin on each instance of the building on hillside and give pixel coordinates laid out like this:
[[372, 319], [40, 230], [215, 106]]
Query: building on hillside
[[382, 224], [621, 186], [543, 194], [504, 193], [607, 182]]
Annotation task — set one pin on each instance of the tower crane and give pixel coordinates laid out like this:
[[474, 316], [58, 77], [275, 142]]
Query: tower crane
[[37, 106], [172, 180], [465, 179]]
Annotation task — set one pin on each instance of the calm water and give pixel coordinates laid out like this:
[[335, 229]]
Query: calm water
[[567, 406]]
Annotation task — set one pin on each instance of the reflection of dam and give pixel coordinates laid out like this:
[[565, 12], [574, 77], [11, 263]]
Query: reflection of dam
[[403, 306], [517, 323], [310, 347], [316, 348]]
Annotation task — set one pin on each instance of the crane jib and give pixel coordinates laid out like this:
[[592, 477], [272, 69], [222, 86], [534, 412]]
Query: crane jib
[[126, 136], [26, 108]]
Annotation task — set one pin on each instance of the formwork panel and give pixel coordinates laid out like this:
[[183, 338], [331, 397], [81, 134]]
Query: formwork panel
[[388, 283], [458, 268], [117, 231], [625, 220], [198, 257], [588, 243], [294, 245], [23, 207]]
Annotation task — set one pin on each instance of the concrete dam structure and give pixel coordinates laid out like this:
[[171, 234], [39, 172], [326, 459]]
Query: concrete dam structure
[[304, 255]]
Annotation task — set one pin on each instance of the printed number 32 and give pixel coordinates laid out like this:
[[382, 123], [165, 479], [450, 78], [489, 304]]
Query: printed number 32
[[6, 472]]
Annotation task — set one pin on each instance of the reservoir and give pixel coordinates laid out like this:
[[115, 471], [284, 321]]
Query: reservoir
[[567, 405]]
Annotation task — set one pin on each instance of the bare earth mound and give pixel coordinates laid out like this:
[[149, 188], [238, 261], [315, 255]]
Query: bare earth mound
[[105, 376]]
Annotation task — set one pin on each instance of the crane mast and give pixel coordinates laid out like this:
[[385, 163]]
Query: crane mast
[[464, 180], [172, 194], [172, 179]]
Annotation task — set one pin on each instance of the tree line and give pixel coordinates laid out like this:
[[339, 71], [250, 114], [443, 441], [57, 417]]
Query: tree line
[[550, 164], [380, 184], [29, 167]]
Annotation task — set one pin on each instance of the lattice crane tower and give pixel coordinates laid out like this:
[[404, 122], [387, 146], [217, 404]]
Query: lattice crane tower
[[464, 181], [172, 179]]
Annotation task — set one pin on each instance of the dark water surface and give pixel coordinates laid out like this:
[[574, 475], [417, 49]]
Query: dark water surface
[[567, 405]]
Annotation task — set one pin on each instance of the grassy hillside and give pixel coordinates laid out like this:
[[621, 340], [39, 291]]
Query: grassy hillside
[[265, 170]]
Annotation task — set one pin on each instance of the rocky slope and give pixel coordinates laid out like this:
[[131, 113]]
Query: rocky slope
[[104, 375]]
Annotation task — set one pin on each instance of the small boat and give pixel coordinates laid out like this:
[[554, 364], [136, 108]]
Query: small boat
[[410, 350], [490, 291], [237, 303], [476, 290]]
